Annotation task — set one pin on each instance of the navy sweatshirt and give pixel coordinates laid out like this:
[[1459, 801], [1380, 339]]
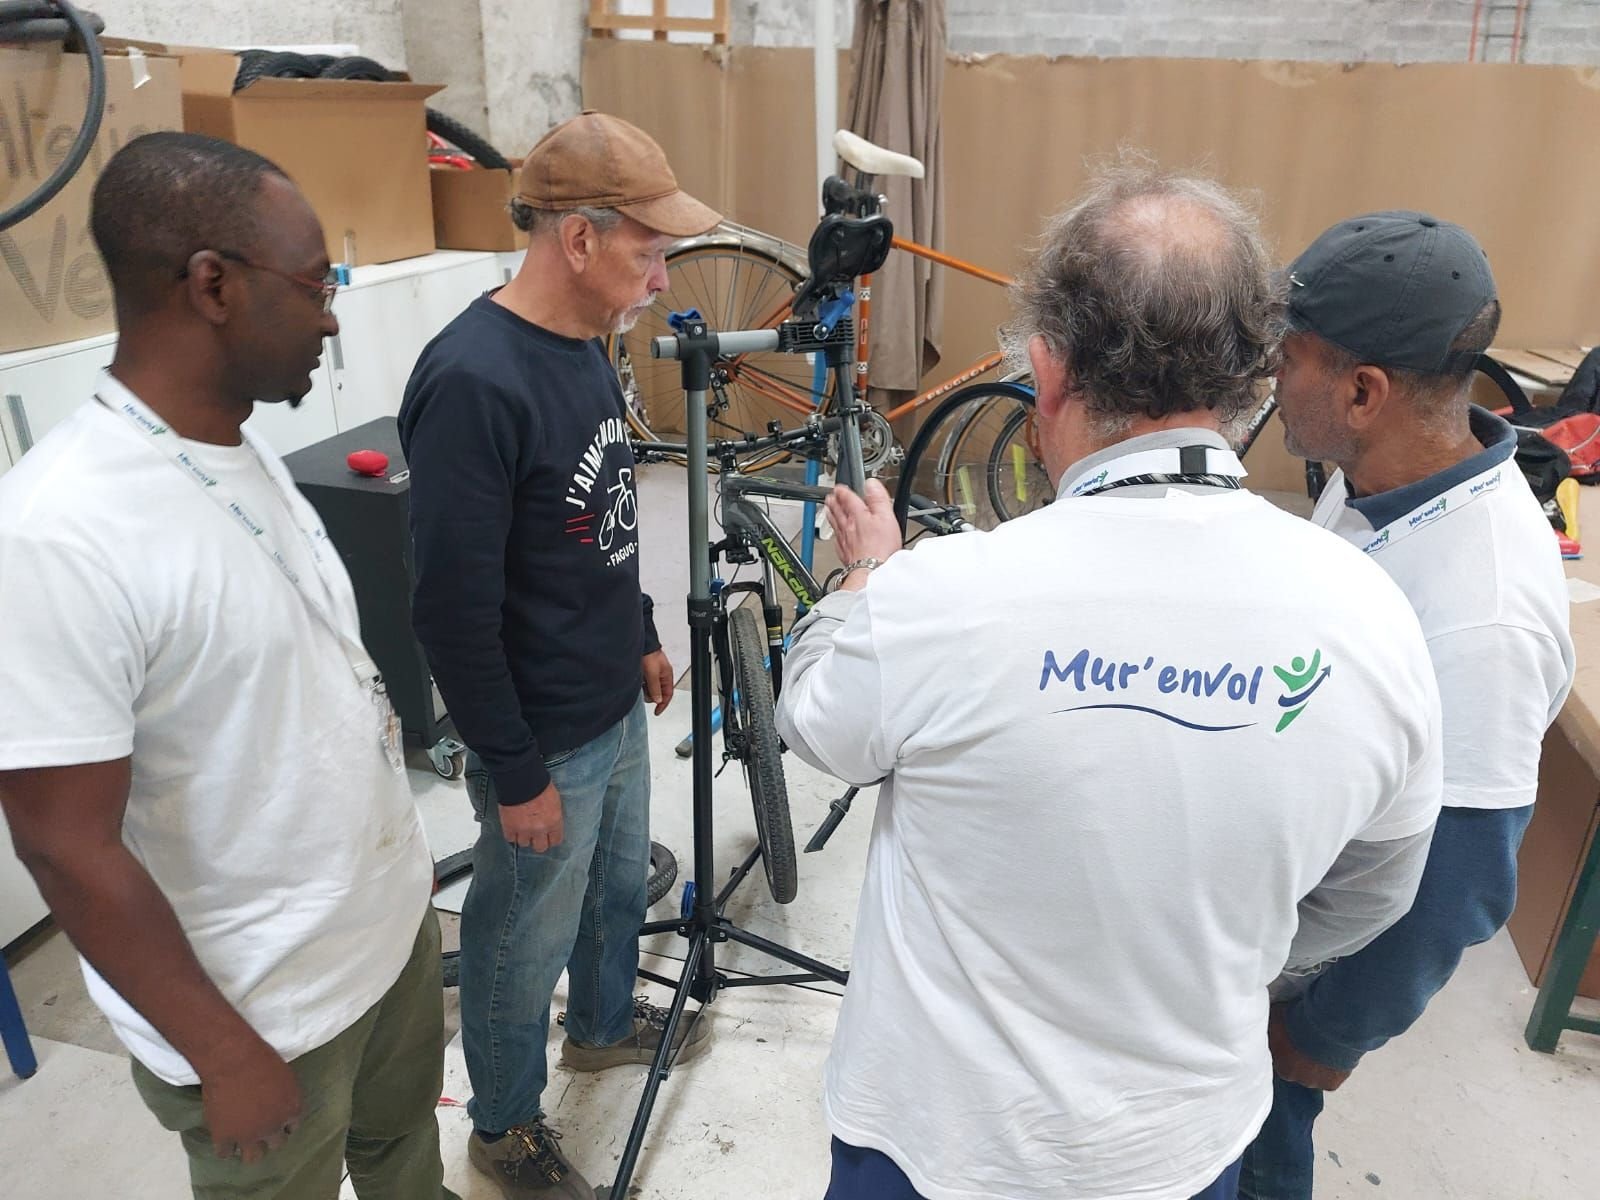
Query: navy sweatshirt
[[524, 523]]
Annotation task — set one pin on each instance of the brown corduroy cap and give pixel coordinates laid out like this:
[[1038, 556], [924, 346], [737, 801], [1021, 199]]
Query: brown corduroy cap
[[600, 161]]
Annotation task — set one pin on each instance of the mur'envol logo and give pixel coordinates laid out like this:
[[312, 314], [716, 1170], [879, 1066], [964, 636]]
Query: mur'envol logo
[[1131, 681], [1092, 482], [1301, 679]]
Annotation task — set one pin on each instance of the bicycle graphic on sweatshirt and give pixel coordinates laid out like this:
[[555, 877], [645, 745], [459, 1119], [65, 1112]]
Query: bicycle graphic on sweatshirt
[[624, 514]]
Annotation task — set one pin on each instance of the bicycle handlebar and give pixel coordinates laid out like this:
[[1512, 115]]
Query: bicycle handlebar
[[735, 341]]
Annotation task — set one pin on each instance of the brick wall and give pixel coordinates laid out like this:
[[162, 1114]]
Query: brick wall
[[1555, 31]]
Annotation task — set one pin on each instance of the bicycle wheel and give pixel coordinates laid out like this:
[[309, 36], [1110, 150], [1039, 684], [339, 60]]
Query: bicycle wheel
[[663, 873], [760, 751], [1016, 479], [275, 64], [465, 140], [973, 455], [734, 286]]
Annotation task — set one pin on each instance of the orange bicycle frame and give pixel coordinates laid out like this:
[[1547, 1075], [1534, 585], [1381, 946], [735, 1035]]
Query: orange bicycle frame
[[802, 402]]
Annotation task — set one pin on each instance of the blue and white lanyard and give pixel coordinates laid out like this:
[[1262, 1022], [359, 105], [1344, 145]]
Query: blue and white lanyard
[[1169, 465], [160, 437], [1436, 509]]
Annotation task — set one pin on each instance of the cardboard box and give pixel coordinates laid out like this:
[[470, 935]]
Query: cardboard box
[[357, 150], [53, 286], [469, 209], [1557, 840]]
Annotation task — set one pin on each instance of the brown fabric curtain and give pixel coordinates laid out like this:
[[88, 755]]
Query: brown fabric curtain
[[897, 79]]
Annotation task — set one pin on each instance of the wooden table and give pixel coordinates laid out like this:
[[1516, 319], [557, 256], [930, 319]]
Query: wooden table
[[1568, 810], [1552, 366]]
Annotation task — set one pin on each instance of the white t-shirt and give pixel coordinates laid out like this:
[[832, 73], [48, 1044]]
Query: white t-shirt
[[1098, 822], [137, 618], [1475, 555]]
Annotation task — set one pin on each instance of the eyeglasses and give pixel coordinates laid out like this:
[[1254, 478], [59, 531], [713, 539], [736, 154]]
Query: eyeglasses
[[327, 287]]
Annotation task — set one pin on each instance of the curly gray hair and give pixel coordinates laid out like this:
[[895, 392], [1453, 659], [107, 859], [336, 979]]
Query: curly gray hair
[[1157, 290]]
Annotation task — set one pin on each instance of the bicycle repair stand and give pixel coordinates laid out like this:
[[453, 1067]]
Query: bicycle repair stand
[[704, 925]]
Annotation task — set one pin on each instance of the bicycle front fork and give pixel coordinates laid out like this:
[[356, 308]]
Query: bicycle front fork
[[772, 614]]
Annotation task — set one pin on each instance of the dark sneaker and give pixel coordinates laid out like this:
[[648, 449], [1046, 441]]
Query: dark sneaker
[[527, 1162], [694, 1034]]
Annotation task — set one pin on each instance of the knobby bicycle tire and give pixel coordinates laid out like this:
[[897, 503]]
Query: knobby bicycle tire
[[734, 286], [957, 418], [763, 762], [663, 873], [261, 64], [462, 138], [357, 67], [272, 64]]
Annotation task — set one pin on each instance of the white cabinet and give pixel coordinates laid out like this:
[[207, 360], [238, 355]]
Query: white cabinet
[[387, 315], [40, 388], [508, 262]]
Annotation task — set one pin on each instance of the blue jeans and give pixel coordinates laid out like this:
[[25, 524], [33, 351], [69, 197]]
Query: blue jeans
[[869, 1175], [1359, 1003], [529, 915], [1278, 1164]]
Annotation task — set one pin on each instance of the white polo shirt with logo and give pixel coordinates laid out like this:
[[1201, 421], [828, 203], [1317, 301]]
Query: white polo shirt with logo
[[1475, 555]]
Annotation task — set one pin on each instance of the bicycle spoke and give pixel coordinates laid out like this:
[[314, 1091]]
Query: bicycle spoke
[[733, 289]]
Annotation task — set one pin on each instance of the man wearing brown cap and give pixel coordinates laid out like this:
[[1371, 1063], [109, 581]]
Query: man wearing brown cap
[[525, 527]]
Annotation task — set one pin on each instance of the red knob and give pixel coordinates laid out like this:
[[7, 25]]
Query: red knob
[[368, 462]]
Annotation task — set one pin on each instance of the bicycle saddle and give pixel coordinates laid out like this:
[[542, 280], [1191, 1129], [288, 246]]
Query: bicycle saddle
[[842, 249], [874, 160]]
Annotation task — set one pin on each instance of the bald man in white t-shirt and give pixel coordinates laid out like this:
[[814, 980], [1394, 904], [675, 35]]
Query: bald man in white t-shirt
[[1140, 748]]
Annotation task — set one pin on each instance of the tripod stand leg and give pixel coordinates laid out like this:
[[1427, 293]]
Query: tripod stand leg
[[659, 1068], [739, 874], [784, 954]]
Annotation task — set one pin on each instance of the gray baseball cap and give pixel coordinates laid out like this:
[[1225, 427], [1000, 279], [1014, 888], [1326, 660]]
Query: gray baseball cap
[[1393, 288]]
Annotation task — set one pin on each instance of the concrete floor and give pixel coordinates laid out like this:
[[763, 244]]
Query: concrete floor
[[1458, 1109]]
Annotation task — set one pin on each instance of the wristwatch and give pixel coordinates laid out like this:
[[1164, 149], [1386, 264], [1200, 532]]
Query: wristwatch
[[839, 574]]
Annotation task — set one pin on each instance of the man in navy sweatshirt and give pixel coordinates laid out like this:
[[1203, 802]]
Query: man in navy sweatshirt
[[525, 526], [1388, 314]]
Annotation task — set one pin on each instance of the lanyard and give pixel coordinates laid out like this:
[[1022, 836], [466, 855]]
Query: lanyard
[[1436, 509], [1206, 466], [161, 439]]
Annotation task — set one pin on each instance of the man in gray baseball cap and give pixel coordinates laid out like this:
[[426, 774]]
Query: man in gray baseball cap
[[1388, 315]]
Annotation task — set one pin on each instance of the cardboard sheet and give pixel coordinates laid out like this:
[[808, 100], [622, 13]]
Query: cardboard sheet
[[53, 286], [1535, 366]]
